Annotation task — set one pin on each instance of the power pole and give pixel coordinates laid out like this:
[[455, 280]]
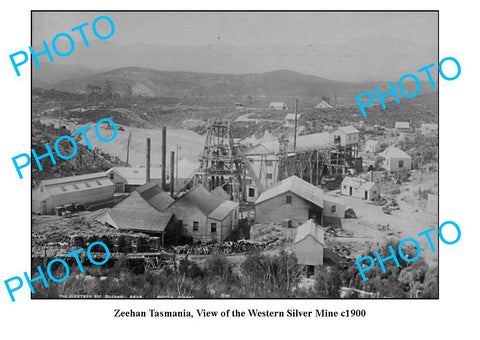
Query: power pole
[[295, 132], [128, 144]]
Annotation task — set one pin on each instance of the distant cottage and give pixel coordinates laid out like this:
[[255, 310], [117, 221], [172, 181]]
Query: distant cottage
[[278, 106], [360, 188], [290, 119], [323, 105], [402, 126], [396, 160], [372, 146], [82, 189], [345, 135], [429, 129]]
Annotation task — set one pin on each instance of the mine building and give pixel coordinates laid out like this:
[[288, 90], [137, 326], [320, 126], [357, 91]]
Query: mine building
[[278, 106], [127, 179], [143, 211], [205, 216], [297, 200], [82, 189]]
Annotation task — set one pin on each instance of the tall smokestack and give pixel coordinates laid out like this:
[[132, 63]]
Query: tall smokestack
[[148, 160], [164, 156], [172, 172]]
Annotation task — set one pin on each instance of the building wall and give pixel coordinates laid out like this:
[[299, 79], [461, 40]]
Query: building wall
[[360, 192], [188, 213], [81, 196], [346, 139], [391, 164], [339, 209], [276, 209], [309, 252]]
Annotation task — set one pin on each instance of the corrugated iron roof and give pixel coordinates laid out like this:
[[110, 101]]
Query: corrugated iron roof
[[393, 152], [348, 129], [202, 199], [140, 221], [323, 105], [223, 210], [310, 228], [358, 182], [153, 194], [70, 179], [297, 186], [136, 176], [218, 191]]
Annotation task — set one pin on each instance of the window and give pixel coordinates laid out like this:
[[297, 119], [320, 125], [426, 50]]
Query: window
[[76, 186], [99, 183], [63, 188], [400, 164], [248, 181], [235, 214], [333, 208], [344, 186], [110, 175], [195, 225], [289, 199], [269, 176], [251, 192], [87, 184], [251, 160], [374, 192], [213, 227], [268, 163]]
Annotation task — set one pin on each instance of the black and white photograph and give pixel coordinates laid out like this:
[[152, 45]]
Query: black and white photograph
[[234, 154]]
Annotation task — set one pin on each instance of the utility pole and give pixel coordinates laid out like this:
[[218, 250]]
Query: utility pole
[[128, 145]]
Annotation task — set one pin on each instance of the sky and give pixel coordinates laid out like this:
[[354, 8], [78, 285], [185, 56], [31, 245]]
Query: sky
[[367, 43]]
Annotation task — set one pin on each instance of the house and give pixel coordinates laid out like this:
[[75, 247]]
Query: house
[[144, 210], [296, 200], [309, 244], [278, 106], [372, 146], [402, 127], [429, 129], [82, 189], [323, 105], [345, 136], [205, 217], [360, 188], [127, 179], [290, 119], [396, 160]]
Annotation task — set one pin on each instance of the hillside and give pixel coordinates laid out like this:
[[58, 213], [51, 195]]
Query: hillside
[[85, 161]]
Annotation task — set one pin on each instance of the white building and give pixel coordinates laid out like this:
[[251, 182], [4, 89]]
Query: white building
[[278, 106], [396, 160]]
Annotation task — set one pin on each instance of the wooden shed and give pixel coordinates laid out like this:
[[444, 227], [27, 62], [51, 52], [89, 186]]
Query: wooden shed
[[82, 189], [127, 179], [205, 216], [296, 200], [360, 188], [309, 244]]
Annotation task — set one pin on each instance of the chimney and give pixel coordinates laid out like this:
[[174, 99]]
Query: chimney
[[148, 160], [172, 172], [164, 156]]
